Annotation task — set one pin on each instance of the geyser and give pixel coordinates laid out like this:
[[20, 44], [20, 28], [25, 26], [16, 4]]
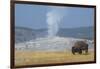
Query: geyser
[[54, 17]]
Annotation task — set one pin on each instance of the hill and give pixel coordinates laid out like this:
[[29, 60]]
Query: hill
[[23, 34]]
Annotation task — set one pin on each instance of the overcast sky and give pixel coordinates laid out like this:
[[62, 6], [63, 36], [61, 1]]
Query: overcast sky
[[35, 16]]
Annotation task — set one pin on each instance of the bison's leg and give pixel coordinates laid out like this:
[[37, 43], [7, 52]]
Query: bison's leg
[[86, 51], [80, 51], [73, 50]]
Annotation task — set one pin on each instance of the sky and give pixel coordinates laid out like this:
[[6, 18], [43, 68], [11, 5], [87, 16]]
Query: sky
[[35, 16]]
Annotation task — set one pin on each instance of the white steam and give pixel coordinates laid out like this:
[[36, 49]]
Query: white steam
[[54, 17]]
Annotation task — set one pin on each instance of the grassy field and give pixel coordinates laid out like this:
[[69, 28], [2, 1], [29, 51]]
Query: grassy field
[[34, 58]]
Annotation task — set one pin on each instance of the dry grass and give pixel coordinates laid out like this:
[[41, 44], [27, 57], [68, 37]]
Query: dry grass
[[34, 58]]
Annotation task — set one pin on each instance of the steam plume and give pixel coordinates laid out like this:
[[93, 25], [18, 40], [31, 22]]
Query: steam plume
[[54, 17]]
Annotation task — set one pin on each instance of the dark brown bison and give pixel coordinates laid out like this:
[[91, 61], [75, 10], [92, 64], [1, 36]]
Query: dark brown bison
[[80, 46]]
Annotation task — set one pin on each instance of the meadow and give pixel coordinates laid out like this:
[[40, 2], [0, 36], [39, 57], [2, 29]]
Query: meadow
[[38, 57]]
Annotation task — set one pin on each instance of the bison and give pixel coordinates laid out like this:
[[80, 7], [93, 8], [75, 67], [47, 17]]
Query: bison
[[80, 46]]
